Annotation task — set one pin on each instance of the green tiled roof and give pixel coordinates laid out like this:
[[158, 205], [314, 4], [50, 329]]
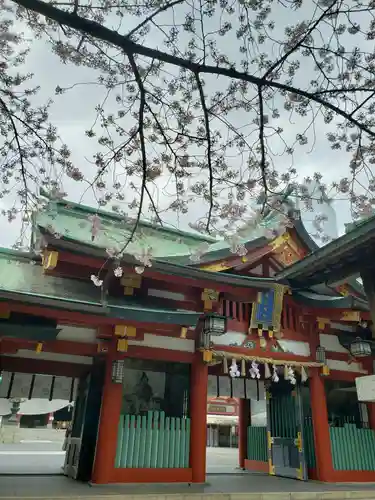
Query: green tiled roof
[[20, 279], [71, 220]]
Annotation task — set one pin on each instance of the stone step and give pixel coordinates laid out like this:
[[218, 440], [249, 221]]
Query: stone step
[[305, 495]]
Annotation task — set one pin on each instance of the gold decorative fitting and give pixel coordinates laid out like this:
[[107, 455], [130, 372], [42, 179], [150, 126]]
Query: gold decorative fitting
[[210, 295], [183, 332], [128, 290], [207, 356], [271, 468], [322, 322], [39, 347], [49, 260], [131, 281], [207, 305], [298, 442], [125, 331], [244, 259], [325, 370], [122, 345], [280, 240], [300, 472], [216, 266], [351, 316], [269, 440]]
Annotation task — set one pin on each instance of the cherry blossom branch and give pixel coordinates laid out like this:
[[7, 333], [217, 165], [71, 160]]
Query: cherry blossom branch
[[17, 139], [307, 33], [96, 30], [209, 148], [262, 145], [153, 15]]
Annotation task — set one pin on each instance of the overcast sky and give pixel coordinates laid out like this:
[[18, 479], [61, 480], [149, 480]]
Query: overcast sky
[[73, 113]]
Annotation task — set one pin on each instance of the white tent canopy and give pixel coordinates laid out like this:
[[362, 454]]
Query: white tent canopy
[[35, 406]]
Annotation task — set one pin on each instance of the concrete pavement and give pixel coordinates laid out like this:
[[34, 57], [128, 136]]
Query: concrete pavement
[[39, 457], [224, 481]]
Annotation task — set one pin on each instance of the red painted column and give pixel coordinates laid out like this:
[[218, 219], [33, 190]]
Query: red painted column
[[322, 438], [105, 453], [243, 423], [198, 414], [371, 415]]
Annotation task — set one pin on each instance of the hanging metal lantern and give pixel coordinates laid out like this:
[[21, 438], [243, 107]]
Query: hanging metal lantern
[[214, 324], [321, 354], [360, 348]]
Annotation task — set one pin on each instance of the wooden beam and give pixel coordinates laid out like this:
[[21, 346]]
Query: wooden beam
[[96, 264], [55, 346], [80, 319], [57, 368]]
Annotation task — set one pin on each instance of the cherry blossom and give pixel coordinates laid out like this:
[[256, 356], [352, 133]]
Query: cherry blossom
[[95, 225], [118, 272], [96, 280]]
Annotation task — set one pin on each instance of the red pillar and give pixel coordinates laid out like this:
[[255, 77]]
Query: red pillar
[[371, 415], [105, 453], [322, 438], [198, 414], [243, 423]]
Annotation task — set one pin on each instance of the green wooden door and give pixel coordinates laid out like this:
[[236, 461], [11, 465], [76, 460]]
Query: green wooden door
[[284, 431]]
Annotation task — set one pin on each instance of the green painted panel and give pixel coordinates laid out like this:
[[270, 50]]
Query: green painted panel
[[283, 416], [309, 446], [120, 438], [257, 444], [153, 441], [172, 441], [352, 448], [187, 442], [178, 443], [125, 442], [137, 440]]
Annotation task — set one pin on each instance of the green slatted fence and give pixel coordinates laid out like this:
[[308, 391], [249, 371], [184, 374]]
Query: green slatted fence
[[308, 442], [257, 444], [153, 441], [352, 448]]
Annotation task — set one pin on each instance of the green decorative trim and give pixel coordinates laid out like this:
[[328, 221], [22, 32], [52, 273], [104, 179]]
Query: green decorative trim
[[28, 332], [308, 443], [153, 441]]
